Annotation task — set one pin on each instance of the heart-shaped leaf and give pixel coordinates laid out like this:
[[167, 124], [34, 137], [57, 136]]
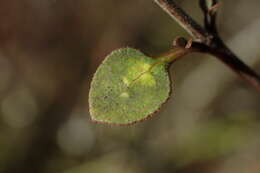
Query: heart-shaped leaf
[[128, 87]]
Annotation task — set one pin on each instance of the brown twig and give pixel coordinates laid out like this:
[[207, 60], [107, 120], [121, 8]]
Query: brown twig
[[190, 25], [209, 8], [208, 39]]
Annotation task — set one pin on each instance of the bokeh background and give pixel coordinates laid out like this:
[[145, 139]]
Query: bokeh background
[[49, 51]]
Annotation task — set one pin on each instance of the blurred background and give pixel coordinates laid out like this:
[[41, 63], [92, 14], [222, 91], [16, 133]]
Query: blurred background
[[49, 51]]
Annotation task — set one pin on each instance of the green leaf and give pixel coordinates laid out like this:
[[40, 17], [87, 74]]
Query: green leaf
[[128, 87]]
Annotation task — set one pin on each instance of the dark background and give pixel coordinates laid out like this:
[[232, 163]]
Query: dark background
[[49, 51]]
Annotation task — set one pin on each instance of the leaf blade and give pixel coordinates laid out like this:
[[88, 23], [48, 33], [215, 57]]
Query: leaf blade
[[111, 98]]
